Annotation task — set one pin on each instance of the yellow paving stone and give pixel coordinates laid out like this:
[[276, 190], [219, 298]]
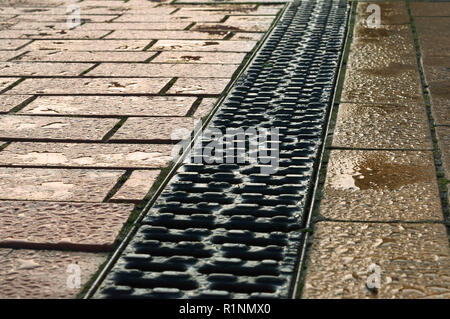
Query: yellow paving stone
[[413, 261], [381, 186]]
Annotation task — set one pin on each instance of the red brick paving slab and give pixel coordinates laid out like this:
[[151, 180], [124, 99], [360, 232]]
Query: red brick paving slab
[[42, 69], [150, 129], [200, 57], [199, 86], [90, 86], [430, 9], [78, 185], [159, 26], [137, 186], [111, 105], [87, 155], [182, 70], [57, 225], [78, 56], [210, 46], [89, 45], [8, 102], [42, 273], [51, 127], [12, 44], [166, 35], [5, 82], [205, 107]]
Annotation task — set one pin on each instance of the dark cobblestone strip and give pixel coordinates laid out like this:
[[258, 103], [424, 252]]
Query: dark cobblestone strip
[[229, 230]]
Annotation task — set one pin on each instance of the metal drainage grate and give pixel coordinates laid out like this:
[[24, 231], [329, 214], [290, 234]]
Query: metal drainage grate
[[227, 230]]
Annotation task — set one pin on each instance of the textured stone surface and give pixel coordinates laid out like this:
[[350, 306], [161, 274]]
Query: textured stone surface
[[89, 45], [166, 35], [43, 273], [437, 73], [5, 82], [210, 46], [12, 44], [166, 70], [443, 134], [77, 185], [204, 108], [42, 69], [200, 57], [77, 56], [51, 127], [238, 24], [381, 186], [8, 102], [430, 9], [388, 85], [90, 86], [136, 186], [56, 225], [6, 55], [87, 155], [413, 258], [111, 105], [199, 86], [434, 35], [53, 34], [392, 12], [382, 126], [153, 129], [148, 26]]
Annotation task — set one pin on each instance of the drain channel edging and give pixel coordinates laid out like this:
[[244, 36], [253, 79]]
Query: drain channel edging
[[226, 230]]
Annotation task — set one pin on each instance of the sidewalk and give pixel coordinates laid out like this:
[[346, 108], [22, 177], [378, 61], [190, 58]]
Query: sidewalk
[[381, 220], [87, 115]]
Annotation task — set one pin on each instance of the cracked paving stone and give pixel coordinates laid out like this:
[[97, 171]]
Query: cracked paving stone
[[25, 274], [200, 57], [78, 185], [5, 82], [183, 70], [430, 9], [88, 45], [111, 105], [382, 126], [51, 127], [90, 86], [154, 129], [78, 56], [87, 155], [42, 69], [443, 134], [199, 86], [12, 44], [137, 186], [8, 102], [381, 186], [210, 46], [413, 259], [57, 225], [391, 12]]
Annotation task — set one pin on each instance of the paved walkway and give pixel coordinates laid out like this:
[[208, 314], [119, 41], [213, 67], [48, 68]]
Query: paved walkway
[[382, 233], [86, 120]]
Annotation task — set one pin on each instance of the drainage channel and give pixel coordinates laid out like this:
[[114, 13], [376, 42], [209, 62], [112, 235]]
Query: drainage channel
[[233, 228]]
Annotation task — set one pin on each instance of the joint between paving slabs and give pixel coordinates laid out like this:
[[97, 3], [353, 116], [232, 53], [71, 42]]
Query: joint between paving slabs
[[148, 46], [114, 129], [12, 85], [168, 86], [120, 182], [22, 105], [89, 69]]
